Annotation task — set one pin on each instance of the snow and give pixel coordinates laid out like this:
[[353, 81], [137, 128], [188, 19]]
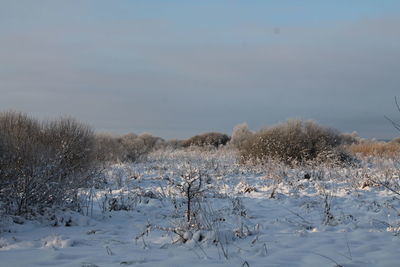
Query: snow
[[249, 216]]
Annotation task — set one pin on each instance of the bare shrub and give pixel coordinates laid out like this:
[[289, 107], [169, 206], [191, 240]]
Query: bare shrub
[[19, 143], [130, 147], [72, 141], [109, 148], [294, 141], [151, 142], [138, 147], [42, 165], [207, 139]]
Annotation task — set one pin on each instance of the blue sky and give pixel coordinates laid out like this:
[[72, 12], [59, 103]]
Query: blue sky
[[178, 68]]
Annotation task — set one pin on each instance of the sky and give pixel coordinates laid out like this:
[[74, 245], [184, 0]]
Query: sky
[[179, 68]]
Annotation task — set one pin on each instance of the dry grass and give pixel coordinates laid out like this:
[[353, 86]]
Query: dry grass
[[378, 149]]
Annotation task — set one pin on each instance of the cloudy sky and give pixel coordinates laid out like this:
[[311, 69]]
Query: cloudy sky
[[178, 68]]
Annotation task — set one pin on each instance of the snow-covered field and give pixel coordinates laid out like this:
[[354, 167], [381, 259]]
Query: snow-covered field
[[241, 216]]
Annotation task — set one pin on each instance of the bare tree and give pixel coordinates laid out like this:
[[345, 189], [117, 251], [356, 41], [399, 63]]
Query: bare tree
[[395, 124]]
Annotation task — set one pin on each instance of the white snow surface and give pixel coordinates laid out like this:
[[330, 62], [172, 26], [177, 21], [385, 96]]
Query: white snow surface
[[250, 216]]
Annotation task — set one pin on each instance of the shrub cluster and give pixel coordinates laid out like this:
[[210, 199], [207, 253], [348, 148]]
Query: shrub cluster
[[138, 147], [173, 144], [43, 164], [109, 149], [207, 139], [294, 141], [130, 147]]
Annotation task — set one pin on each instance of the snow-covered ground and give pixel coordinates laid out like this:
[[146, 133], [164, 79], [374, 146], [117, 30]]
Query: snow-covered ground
[[241, 216]]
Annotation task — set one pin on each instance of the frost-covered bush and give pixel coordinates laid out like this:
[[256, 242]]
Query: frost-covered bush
[[294, 141], [207, 139], [240, 135], [42, 164]]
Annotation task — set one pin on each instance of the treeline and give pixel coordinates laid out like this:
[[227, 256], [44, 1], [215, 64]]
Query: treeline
[[132, 147], [44, 163]]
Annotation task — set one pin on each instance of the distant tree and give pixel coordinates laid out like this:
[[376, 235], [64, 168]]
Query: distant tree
[[396, 125]]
